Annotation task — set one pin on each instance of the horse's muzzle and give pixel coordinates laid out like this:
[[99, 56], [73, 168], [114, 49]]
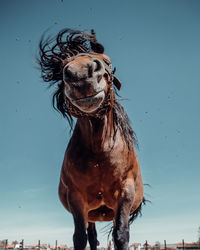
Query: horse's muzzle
[[89, 104], [84, 83]]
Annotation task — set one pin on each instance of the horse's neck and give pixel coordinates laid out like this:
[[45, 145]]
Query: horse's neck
[[97, 133]]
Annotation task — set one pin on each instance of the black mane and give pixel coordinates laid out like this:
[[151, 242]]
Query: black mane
[[121, 121], [52, 54], [53, 51], [68, 43]]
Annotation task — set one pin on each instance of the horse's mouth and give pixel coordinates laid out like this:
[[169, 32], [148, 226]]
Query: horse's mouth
[[91, 103]]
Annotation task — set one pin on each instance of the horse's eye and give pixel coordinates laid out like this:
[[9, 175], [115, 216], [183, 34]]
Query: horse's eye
[[66, 74], [99, 78]]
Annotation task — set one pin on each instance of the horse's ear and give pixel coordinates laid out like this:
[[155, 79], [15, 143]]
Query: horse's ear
[[117, 82], [95, 46]]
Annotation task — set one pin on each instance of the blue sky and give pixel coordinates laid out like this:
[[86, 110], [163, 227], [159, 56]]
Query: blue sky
[[155, 47]]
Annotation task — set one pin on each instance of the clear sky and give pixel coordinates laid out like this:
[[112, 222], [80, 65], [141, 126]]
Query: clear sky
[[155, 46]]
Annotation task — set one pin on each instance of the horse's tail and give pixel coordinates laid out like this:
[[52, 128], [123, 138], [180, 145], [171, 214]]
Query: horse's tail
[[138, 211]]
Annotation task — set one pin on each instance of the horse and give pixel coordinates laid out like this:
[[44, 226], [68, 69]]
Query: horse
[[100, 178]]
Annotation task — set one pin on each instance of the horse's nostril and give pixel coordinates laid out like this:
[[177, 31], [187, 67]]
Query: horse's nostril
[[90, 71], [67, 73], [99, 77], [98, 65]]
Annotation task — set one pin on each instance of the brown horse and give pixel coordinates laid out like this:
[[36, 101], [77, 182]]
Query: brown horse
[[100, 178]]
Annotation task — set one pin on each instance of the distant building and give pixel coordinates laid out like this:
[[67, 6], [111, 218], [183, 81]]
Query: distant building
[[168, 246], [63, 247], [10, 246], [135, 246], [17, 246], [146, 246], [192, 245]]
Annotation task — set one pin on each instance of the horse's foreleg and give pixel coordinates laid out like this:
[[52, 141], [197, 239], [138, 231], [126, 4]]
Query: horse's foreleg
[[80, 236], [80, 221], [121, 225], [92, 236]]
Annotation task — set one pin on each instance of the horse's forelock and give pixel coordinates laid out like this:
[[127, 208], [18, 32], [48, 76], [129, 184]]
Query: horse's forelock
[[53, 54], [68, 43]]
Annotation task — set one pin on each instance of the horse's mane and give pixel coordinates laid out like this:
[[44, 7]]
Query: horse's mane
[[68, 43], [52, 54], [122, 122]]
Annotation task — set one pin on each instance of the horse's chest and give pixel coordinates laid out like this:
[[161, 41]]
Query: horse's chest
[[101, 183], [97, 168], [98, 177]]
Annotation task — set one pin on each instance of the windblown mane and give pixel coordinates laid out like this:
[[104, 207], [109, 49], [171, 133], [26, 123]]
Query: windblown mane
[[122, 122], [54, 50], [52, 54]]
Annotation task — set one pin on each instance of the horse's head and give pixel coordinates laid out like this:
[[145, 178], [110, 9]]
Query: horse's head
[[87, 79], [84, 73]]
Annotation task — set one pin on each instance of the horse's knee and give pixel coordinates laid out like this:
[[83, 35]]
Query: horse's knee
[[121, 230], [80, 235], [92, 236], [80, 240], [121, 238], [92, 240]]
